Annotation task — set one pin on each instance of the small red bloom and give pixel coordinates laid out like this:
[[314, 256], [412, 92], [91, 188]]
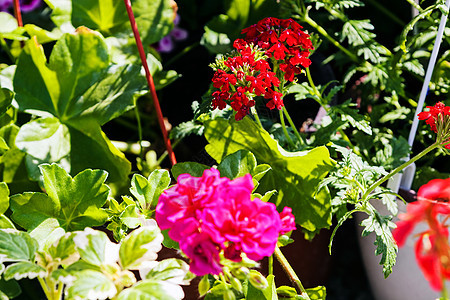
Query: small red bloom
[[283, 41], [438, 117]]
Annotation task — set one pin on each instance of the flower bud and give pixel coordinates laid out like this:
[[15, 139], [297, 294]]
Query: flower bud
[[229, 295], [236, 284], [258, 280], [240, 273], [203, 286]]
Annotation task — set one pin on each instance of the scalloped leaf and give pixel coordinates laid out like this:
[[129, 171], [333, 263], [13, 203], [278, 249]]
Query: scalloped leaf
[[295, 175], [75, 202]]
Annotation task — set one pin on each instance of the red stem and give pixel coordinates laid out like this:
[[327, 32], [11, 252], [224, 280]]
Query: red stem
[[17, 13], [150, 82]]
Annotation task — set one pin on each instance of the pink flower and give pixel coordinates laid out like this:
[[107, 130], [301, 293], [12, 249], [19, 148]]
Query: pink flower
[[204, 254], [287, 220], [211, 215], [188, 197]]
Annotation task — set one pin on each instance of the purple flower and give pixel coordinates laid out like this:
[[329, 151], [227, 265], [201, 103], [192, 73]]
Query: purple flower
[[25, 5], [167, 43]]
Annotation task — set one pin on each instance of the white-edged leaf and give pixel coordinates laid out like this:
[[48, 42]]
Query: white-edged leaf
[[24, 269], [141, 245], [91, 285], [171, 270], [95, 247], [17, 245], [152, 290]]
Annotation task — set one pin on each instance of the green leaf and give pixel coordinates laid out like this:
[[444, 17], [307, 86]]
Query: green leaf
[[4, 197], [94, 247], [9, 289], [294, 174], [237, 164], [44, 139], [140, 246], [91, 284], [193, 168], [352, 116], [152, 290], [74, 202], [317, 293], [385, 243], [17, 246], [63, 250], [24, 269], [102, 15], [147, 191], [6, 97], [6, 223], [269, 293], [83, 91]]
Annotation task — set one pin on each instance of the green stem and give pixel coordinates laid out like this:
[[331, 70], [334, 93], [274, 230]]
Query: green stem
[[291, 273], [398, 169], [297, 134], [283, 125], [45, 288], [138, 120], [255, 115], [323, 32]]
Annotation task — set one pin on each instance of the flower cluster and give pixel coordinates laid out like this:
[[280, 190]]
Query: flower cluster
[[284, 41], [241, 77], [246, 73], [438, 117], [214, 217], [432, 249]]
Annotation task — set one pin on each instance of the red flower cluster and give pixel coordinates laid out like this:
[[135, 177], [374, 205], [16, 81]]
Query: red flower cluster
[[437, 114], [284, 41], [432, 248], [243, 77]]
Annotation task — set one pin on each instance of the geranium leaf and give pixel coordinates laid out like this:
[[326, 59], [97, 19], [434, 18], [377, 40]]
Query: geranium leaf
[[82, 90], [154, 18], [140, 246], [24, 269], [17, 246], [294, 174], [91, 284], [193, 168], [147, 191], [151, 290], [317, 293], [74, 202], [102, 15], [237, 164]]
